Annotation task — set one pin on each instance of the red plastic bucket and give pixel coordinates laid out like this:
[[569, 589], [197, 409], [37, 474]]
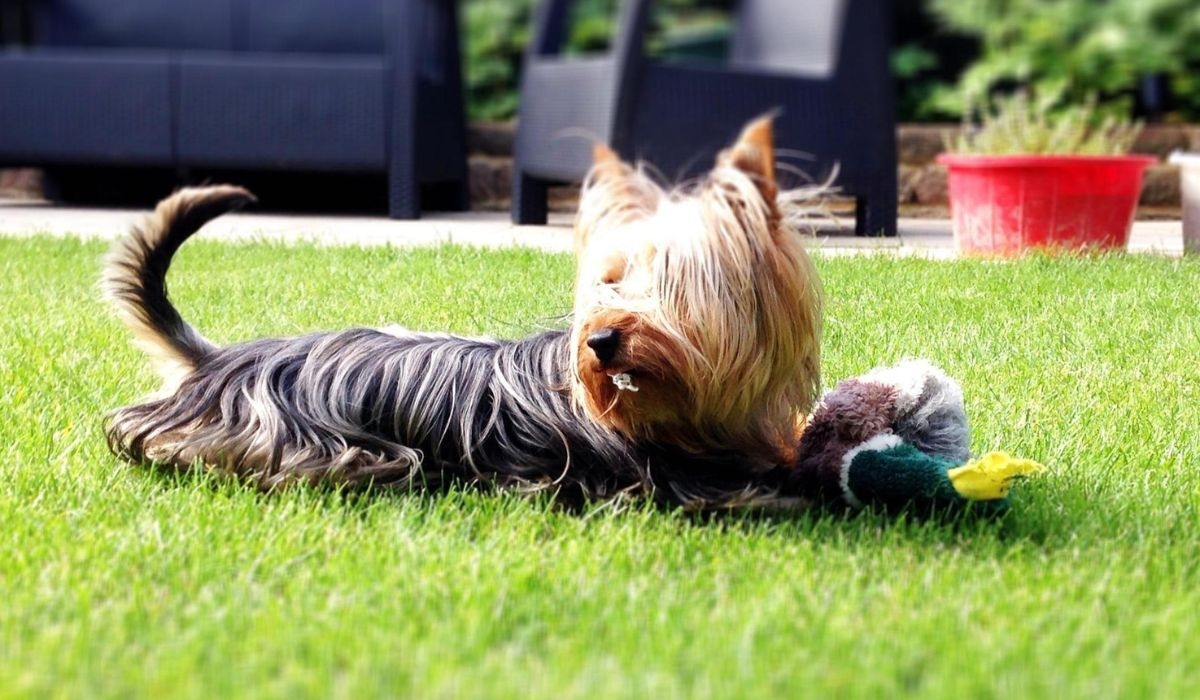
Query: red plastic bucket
[[1007, 205]]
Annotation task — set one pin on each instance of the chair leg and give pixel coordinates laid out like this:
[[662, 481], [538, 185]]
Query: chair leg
[[449, 195], [875, 215], [460, 196], [404, 197], [528, 200]]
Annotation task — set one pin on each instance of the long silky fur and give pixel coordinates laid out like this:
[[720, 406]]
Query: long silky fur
[[385, 407]]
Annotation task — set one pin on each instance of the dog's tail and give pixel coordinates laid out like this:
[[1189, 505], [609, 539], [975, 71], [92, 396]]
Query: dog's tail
[[135, 273]]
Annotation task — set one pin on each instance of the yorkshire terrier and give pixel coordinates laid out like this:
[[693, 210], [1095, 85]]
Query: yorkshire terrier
[[692, 358]]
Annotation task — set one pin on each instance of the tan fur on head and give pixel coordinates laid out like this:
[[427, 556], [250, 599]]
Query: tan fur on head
[[715, 303]]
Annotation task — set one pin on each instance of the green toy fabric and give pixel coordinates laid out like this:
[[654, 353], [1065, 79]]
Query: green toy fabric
[[900, 475]]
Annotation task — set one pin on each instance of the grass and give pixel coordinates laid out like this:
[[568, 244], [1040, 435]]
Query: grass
[[117, 582]]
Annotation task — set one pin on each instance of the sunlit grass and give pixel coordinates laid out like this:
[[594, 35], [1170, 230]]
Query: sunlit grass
[[117, 582]]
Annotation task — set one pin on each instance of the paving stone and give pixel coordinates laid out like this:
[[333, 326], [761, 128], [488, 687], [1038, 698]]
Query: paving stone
[[1160, 186], [917, 144], [1160, 140], [931, 186], [491, 138]]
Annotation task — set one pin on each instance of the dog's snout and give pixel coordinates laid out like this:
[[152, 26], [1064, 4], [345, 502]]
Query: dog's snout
[[604, 343]]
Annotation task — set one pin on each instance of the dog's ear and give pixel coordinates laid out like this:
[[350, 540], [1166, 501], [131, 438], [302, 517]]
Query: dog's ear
[[610, 172], [614, 193], [754, 154], [604, 158]]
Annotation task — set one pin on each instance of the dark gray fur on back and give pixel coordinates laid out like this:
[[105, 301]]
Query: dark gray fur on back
[[413, 410]]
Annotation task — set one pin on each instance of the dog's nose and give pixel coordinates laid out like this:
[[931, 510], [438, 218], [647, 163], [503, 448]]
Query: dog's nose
[[604, 343]]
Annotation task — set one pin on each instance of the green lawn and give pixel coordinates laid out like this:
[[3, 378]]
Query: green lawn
[[117, 582]]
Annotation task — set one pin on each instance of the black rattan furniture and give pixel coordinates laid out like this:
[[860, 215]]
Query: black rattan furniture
[[295, 85], [822, 63]]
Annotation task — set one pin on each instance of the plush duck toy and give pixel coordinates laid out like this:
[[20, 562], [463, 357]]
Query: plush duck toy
[[897, 437]]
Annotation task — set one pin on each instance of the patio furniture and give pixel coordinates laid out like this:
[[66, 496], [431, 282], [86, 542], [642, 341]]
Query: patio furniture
[[278, 85], [822, 63]]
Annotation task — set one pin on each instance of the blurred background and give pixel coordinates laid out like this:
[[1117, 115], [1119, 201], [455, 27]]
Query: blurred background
[[1135, 58]]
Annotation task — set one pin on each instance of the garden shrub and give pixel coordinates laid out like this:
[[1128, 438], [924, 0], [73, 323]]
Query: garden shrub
[[1067, 50]]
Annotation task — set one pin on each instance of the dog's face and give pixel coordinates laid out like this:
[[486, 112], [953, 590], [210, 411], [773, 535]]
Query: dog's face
[[697, 313]]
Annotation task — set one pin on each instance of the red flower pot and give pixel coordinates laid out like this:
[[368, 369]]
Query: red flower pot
[[1007, 205]]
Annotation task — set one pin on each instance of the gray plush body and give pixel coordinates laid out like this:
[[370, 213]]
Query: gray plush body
[[913, 401], [929, 408]]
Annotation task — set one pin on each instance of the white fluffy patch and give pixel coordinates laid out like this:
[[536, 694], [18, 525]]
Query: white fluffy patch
[[408, 334], [910, 378], [396, 330], [880, 442]]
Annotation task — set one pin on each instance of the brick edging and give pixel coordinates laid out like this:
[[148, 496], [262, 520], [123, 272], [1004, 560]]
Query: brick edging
[[921, 180]]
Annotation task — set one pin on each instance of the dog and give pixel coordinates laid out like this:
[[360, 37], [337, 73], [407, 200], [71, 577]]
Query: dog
[[692, 357]]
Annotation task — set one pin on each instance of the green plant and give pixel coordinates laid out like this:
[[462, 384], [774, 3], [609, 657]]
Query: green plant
[[909, 64], [496, 32], [1069, 49], [1066, 48], [1019, 124]]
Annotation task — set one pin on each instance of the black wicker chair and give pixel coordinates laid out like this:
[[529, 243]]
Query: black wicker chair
[[822, 63], [281, 85]]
